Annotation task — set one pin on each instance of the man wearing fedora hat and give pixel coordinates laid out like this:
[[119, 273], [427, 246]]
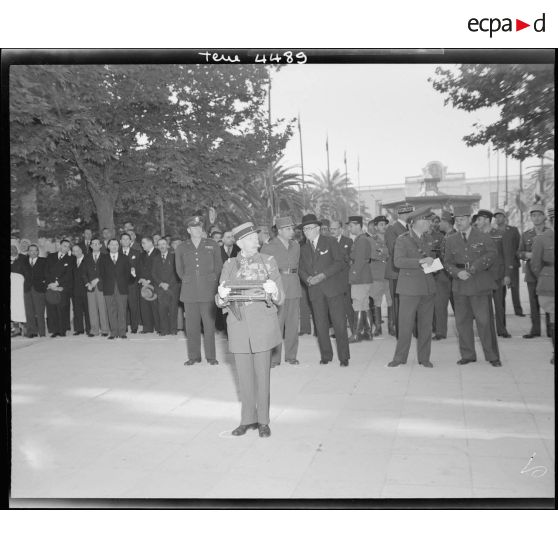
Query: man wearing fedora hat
[[198, 264], [394, 230], [287, 254], [468, 256], [538, 218], [252, 326], [542, 265], [416, 289], [144, 275], [321, 268], [360, 279]]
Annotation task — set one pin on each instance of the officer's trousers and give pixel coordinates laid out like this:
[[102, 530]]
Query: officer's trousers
[[253, 382], [420, 310], [288, 315], [395, 303], [535, 309], [514, 276], [479, 308], [499, 309], [443, 292], [196, 313]]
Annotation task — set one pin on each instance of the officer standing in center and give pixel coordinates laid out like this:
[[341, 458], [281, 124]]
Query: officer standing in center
[[198, 264], [286, 252]]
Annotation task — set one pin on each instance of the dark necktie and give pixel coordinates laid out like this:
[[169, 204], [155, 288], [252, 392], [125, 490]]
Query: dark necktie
[[464, 235]]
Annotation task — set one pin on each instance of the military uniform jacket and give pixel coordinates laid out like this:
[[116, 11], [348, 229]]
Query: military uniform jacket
[[360, 273], [61, 270], [379, 254], [199, 269], [476, 256], [409, 249], [392, 232], [327, 259], [498, 268], [287, 261], [542, 263], [526, 245], [258, 328], [511, 245]]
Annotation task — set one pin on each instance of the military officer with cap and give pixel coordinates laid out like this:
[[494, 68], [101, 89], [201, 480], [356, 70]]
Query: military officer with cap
[[253, 327], [394, 230], [498, 269], [416, 289], [468, 256], [443, 281], [380, 284], [198, 264], [525, 250], [286, 252], [360, 279], [542, 265]]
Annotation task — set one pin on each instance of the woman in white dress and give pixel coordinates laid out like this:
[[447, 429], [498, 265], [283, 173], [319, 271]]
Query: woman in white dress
[[17, 306]]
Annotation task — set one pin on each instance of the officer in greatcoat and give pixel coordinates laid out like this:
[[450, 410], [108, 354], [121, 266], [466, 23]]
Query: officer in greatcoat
[[252, 326]]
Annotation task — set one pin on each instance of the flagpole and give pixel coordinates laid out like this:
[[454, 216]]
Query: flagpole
[[497, 179], [346, 182], [506, 170], [327, 153], [358, 183], [520, 194], [302, 165]]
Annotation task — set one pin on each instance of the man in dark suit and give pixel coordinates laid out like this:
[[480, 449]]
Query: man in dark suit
[[469, 254], [144, 274], [229, 250], [115, 271], [79, 294], [416, 289], [166, 287], [346, 244], [322, 268], [133, 310], [34, 289], [59, 278], [198, 264], [392, 232], [85, 243], [96, 303], [106, 235]]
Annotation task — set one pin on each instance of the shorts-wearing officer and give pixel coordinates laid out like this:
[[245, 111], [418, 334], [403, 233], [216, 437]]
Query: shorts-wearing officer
[[286, 252], [416, 288], [542, 266], [198, 264], [253, 327], [468, 256]]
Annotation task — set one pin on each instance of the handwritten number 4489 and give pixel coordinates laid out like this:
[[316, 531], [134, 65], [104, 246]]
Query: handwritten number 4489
[[288, 56]]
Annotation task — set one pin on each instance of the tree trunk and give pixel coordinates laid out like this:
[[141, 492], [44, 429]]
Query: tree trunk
[[28, 214], [105, 211]]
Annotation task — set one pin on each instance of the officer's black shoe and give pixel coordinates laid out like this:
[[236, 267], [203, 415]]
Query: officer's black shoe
[[54, 335], [78, 332], [427, 364], [111, 337], [495, 363], [212, 361], [506, 335], [104, 334], [191, 361], [90, 335], [324, 361], [264, 430], [243, 428], [438, 337], [394, 363], [134, 331], [531, 335], [123, 337], [293, 361], [521, 315], [466, 360], [343, 363]]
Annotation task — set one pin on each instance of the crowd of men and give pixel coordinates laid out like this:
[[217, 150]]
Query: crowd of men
[[336, 276]]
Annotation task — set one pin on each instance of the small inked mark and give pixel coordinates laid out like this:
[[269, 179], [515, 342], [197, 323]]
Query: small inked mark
[[535, 472]]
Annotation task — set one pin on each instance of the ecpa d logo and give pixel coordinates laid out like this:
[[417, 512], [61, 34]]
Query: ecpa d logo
[[494, 24]]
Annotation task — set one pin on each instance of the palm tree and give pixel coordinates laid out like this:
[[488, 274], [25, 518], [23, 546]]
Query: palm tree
[[332, 196]]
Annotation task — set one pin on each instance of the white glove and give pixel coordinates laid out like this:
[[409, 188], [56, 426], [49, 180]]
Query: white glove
[[223, 291], [270, 287]]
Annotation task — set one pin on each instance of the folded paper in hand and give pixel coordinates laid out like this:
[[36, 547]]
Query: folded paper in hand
[[436, 266]]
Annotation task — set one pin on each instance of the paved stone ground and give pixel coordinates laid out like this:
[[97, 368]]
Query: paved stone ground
[[93, 418]]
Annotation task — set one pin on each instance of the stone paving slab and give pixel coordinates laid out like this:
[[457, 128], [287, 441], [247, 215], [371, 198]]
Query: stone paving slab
[[93, 418]]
